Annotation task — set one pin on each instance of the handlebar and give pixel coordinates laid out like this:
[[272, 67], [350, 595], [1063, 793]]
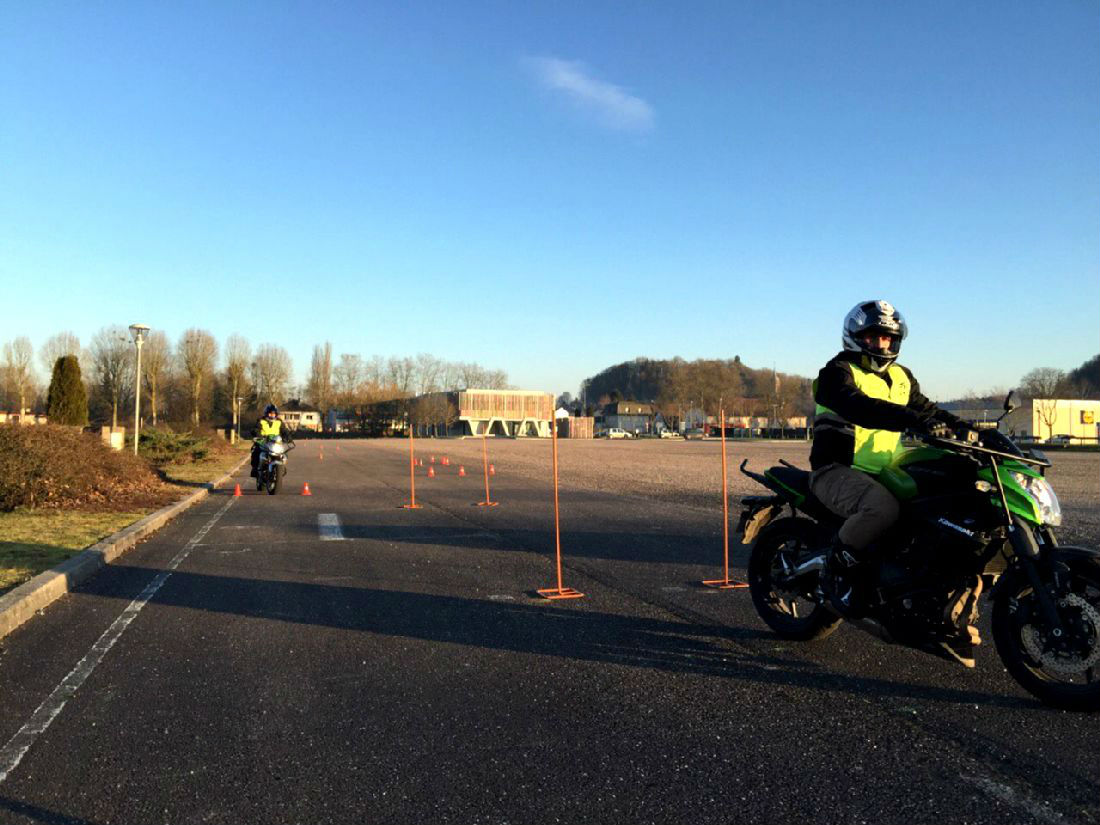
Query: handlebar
[[956, 444]]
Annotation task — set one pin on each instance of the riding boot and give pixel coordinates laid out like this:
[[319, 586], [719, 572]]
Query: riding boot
[[843, 569]]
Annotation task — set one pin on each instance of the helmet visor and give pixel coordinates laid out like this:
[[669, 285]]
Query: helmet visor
[[881, 341]]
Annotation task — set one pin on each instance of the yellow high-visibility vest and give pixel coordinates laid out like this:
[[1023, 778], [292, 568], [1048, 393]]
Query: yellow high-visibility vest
[[873, 448], [270, 428]]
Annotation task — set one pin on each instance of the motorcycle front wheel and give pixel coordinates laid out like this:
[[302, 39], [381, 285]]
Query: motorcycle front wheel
[[1064, 671], [275, 479], [786, 605]]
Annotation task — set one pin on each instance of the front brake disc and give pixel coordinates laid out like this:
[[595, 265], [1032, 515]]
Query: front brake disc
[[1056, 662]]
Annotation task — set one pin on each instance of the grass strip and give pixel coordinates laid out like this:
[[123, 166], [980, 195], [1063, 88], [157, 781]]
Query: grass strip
[[35, 540]]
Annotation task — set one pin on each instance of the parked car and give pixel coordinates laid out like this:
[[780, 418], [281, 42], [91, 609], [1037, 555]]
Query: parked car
[[1061, 440], [614, 432], [694, 432], [669, 434]]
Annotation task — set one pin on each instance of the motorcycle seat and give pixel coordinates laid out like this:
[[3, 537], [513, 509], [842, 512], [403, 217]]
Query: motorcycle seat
[[792, 477], [799, 481]]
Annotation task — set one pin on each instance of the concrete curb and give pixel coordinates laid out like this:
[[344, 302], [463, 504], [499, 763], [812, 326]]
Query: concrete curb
[[20, 604]]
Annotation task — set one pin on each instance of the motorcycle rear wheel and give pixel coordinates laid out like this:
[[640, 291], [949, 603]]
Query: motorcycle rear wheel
[[1069, 679], [788, 610]]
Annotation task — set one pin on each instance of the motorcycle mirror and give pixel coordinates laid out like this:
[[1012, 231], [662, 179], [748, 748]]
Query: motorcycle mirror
[[1010, 401]]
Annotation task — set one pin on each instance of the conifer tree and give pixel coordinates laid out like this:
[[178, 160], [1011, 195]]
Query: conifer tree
[[67, 402]]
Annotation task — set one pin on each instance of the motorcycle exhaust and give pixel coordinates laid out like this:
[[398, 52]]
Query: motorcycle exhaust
[[867, 625], [875, 629]]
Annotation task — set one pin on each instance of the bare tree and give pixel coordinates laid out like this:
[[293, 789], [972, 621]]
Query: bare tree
[[238, 354], [374, 371], [113, 365], [469, 375], [319, 387], [156, 356], [271, 373], [348, 376], [496, 380], [428, 371], [1044, 386], [198, 352], [58, 346], [401, 373], [450, 376], [18, 374]]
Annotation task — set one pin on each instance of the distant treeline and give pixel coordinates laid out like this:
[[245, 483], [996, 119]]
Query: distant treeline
[[196, 380]]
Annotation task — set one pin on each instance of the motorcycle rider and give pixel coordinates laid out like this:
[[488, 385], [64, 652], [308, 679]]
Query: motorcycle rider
[[864, 400], [268, 426]]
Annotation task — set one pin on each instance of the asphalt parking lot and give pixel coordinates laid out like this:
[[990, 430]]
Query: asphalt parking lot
[[336, 658]]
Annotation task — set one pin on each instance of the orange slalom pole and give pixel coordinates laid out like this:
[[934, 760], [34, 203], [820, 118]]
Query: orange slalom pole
[[412, 505], [559, 592], [725, 583], [485, 464]]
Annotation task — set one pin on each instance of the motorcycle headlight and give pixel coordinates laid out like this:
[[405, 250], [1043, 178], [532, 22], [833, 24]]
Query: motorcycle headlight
[[1050, 511], [277, 448]]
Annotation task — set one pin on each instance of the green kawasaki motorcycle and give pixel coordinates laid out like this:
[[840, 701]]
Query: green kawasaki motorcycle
[[975, 517]]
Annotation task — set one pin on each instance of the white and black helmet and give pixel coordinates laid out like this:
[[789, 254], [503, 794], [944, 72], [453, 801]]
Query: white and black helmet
[[877, 316]]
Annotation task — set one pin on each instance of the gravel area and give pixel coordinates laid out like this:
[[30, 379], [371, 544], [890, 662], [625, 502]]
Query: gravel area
[[690, 472]]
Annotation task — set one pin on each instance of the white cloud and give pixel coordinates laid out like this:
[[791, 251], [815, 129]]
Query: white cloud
[[615, 107]]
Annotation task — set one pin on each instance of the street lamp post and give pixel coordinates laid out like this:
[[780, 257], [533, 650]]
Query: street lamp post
[[137, 331], [240, 398]]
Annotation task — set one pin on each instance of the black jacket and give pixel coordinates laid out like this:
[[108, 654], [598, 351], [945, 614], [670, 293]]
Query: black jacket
[[836, 389]]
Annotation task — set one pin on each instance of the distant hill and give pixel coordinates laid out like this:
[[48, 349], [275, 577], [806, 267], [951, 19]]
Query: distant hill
[[678, 384], [1086, 378]]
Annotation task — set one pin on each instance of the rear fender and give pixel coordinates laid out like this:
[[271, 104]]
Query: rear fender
[[756, 512]]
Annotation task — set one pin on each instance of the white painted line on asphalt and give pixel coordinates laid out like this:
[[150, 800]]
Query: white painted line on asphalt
[[1040, 811], [13, 752], [329, 526]]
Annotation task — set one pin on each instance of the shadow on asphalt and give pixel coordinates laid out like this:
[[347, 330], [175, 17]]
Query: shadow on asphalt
[[539, 629], [33, 813], [645, 547]]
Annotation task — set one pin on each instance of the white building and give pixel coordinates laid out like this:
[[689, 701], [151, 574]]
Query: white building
[[1045, 418]]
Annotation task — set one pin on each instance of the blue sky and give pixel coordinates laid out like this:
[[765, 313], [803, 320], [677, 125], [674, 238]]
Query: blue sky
[[551, 188]]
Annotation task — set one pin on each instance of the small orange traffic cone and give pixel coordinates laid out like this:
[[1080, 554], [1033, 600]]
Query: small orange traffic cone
[[433, 459], [492, 470], [237, 491], [305, 489], [431, 472], [446, 461], [461, 470]]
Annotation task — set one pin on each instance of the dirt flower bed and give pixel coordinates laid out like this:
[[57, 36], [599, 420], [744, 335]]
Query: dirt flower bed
[[61, 467]]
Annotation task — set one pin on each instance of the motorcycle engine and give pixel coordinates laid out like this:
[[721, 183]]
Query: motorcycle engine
[[929, 584]]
